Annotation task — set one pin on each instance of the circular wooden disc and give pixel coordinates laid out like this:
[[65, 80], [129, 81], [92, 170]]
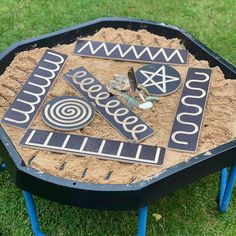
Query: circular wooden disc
[[68, 113], [159, 80]]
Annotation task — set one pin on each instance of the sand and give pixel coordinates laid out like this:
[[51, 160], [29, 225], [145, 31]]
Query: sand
[[219, 125]]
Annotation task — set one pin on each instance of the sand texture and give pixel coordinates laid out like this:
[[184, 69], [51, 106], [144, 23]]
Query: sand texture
[[219, 125]]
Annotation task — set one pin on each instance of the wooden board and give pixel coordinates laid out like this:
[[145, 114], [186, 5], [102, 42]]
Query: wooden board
[[127, 52], [68, 113], [31, 96], [112, 109], [188, 120], [158, 79], [85, 145]]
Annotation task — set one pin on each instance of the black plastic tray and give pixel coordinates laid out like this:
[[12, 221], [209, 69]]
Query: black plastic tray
[[114, 196]]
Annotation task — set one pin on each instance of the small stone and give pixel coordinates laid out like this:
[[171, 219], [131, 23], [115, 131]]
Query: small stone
[[143, 89], [145, 105], [121, 78], [152, 99], [132, 102]]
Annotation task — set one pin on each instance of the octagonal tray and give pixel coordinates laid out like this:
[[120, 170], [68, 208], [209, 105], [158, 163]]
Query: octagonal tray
[[115, 196]]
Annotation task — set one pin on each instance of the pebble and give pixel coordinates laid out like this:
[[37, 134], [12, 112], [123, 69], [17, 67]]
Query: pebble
[[145, 105], [132, 102], [152, 99]]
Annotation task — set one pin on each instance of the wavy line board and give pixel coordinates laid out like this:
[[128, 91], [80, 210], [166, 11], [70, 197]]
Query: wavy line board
[[31, 96], [109, 107], [126, 52], [101, 148], [189, 116]]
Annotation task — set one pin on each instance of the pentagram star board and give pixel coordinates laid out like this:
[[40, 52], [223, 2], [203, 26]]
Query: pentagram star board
[[158, 79]]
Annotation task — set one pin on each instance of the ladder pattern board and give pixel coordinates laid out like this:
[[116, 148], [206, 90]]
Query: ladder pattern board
[[101, 148]]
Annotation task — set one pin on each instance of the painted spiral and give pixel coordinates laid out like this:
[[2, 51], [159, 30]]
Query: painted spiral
[[67, 113]]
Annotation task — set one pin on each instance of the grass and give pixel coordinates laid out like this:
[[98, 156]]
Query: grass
[[189, 211]]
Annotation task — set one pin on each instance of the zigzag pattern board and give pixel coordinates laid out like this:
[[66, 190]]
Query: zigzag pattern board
[[189, 115], [111, 108], [31, 96], [102, 148], [127, 52]]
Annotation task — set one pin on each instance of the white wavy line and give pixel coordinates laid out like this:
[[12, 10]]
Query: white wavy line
[[130, 49], [198, 112]]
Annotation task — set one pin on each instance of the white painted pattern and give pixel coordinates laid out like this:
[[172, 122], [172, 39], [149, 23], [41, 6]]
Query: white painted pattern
[[67, 113], [161, 72], [113, 103], [131, 49], [81, 150], [198, 112], [31, 104]]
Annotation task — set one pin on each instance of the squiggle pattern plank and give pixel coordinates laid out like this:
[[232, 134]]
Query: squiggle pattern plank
[[28, 101], [189, 115], [111, 108], [130, 52], [102, 148]]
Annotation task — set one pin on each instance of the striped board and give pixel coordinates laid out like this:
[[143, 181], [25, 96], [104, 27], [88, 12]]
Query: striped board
[[116, 113], [125, 52], [101, 148], [188, 120], [28, 101]]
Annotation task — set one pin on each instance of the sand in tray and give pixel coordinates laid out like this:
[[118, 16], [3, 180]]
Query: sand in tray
[[219, 124]]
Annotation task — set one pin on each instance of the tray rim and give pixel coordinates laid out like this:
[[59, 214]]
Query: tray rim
[[138, 190]]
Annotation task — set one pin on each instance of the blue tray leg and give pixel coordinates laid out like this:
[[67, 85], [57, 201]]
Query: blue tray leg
[[142, 221], [32, 214], [226, 187]]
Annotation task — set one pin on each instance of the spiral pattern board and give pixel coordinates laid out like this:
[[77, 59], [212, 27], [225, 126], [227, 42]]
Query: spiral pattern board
[[68, 113]]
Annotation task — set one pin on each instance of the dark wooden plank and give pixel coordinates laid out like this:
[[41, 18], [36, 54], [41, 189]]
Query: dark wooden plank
[[101, 148], [112, 109], [127, 52], [31, 96], [188, 120]]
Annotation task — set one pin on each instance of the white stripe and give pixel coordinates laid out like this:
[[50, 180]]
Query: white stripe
[[30, 136], [138, 152], [48, 139], [101, 146], [157, 155], [83, 144], [66, 141], [119, 149]]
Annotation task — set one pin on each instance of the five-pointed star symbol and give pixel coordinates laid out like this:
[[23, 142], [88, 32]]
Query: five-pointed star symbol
[[161, 72]]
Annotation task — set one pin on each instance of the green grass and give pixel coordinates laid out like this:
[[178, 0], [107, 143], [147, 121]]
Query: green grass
[[189, 211]]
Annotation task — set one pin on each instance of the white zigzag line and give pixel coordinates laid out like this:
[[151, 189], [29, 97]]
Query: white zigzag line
[[131, 48]]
